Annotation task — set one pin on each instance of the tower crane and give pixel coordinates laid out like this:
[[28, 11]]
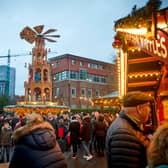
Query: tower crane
[[8, 65]]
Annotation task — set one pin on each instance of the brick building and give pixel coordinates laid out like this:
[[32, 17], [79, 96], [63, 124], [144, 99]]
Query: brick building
[[76, 80]]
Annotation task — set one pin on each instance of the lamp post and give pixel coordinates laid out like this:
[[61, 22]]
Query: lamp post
[[54, 80], [55, 97], [19, 98]]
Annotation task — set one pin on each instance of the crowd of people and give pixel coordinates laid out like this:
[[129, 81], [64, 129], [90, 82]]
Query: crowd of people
[[72, 131], [41, 140]]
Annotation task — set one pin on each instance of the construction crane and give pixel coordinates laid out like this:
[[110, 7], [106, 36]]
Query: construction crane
[[8, 65]]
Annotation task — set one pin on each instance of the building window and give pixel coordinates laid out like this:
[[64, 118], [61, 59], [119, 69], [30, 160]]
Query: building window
[[73, 75], [81, 63], [73, 62], [73, 106], [95, 66], [89, 107], [97, 93], [82, 74], [83, 106], [89, 65], [73, 92], [56, 64], [89, 92], [83, 92], [64, 75], [57, 92]]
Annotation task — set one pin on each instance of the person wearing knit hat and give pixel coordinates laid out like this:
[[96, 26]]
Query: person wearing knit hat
[[126, 142]]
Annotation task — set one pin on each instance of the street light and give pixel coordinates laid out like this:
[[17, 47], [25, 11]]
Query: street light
[[19, 98], [54, 80], [55, 97]]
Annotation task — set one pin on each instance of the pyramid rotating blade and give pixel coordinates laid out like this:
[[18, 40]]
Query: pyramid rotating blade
[[39, 28], [50, 31], [28, 34], [57, 36], [50, 40]]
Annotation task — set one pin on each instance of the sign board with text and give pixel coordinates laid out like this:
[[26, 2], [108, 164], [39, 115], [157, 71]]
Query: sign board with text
[[157, 48]]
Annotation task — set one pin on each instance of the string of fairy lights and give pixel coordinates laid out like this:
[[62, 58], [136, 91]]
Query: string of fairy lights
[[142, 75]]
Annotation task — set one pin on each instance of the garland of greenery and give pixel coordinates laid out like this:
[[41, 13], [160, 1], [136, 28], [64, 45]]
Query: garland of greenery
[[40, 107], [139, 18], [120, 42]]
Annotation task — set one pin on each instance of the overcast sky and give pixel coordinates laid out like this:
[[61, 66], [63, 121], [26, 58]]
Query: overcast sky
[[86, 28]]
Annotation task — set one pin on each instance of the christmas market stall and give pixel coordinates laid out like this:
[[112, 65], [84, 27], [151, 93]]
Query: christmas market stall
[[142, 43], [107, 102]]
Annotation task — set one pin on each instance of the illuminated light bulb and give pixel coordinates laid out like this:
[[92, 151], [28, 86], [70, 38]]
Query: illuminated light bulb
[[141, 75], [157, 74], [151, 74], [162, 26], [130, 76], [139, 49], [133, 31], [133, 50], [136, 76], [146, 75]]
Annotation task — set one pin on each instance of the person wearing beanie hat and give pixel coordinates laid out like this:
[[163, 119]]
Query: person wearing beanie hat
[[126, 142]]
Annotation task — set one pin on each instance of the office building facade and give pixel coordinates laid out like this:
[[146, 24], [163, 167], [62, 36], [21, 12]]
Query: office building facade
[[76, 80]]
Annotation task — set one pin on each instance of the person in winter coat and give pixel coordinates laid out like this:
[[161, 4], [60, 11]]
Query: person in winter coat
[[36, 146], [126, 142], [157, 153], [86, 136], [74, 129], [53, 122], [15, 120], [6, 141], [100, 133]]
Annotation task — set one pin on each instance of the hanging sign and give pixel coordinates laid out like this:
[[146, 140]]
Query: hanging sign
[[157, 48]]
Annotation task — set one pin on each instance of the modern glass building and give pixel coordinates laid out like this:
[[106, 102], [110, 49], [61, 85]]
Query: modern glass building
[[4, 80]]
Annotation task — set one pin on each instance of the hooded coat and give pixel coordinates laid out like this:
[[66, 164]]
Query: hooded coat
[[36, 147]]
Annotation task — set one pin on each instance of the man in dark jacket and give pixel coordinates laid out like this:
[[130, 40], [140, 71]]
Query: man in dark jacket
[[74, 128], [36, 146], [125, 141], [15, 120], [86, 135], [6, 141], [53, 122], [100, 132]]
